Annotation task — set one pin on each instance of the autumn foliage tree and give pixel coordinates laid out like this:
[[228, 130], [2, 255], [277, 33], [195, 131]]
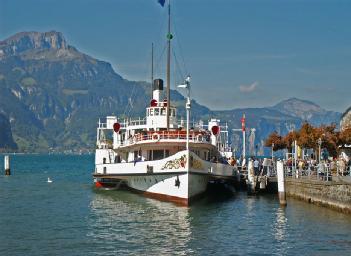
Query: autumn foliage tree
[[276, 140], [290, 138], [308, 136], [345, 137], [329, 137]]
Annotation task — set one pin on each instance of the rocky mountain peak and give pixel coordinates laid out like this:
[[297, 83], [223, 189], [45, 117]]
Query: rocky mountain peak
[[298, 103], [25, 41], [299, 108]]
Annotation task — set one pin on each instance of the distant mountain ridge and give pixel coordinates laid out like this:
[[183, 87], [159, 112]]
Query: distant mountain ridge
[[53, 95], [307, 111]]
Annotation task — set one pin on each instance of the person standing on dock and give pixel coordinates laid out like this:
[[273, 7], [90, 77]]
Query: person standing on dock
[[265, 165], [243, 163], [256, 167], [232, 161]]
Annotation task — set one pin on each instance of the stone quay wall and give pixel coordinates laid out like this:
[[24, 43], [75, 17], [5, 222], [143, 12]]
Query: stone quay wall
[[334, 194]]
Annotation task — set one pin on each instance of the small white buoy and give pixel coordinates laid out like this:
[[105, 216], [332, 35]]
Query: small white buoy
[[49, 180]]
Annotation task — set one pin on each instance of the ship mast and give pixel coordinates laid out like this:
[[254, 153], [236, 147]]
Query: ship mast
[[152, 68], [169, 38]]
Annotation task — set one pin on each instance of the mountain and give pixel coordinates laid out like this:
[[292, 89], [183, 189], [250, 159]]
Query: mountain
[[283, 117], [263, 120], [6, 140], [53, 96], [307, 111]]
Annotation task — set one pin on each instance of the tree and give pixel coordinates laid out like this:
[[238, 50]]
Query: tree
[[344, 137], [308, 136], [277, 140], [290, 138], [330, 138]]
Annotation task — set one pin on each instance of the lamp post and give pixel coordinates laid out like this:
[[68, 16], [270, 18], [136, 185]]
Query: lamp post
[[244, 135], [186, 85], [319, 149], [295, 155], [272, 151]]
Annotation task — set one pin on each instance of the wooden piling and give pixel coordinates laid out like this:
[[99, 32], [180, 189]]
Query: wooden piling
[[7, 165], [281, 183]]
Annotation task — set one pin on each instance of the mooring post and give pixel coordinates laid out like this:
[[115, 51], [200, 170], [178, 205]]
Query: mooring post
[[281, 183], [251, 185], [7, 165]]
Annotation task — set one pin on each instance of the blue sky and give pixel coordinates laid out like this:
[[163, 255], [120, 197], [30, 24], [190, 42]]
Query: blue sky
[[240, 53]]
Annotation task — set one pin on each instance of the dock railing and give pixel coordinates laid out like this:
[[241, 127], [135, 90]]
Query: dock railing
[[322, 171]]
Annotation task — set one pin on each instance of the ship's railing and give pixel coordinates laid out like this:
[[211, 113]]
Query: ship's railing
[[194, 137], [134, 122], [102, 125], [125, 123], [104, 144], [181, 123]]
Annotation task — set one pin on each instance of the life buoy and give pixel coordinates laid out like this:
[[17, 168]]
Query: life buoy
[[156, 136]]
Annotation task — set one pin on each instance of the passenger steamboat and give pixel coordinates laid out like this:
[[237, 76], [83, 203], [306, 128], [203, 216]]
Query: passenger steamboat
[[159, 155]]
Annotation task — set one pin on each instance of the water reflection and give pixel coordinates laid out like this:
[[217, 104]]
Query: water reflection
[[280, 224], [122, 222], [280, 230]]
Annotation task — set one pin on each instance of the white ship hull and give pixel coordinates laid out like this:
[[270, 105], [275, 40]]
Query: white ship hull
[[179, 188], [170, 179]]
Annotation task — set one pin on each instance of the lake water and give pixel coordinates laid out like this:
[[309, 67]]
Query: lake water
[[69, 217]]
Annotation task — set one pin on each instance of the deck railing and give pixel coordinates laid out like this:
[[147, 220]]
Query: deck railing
[[154, 137], [322, 171]]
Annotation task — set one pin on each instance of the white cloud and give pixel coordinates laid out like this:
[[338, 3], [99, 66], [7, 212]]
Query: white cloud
[[248, 88]]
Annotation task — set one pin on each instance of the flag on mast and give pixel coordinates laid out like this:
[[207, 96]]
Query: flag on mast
[[162, 2]]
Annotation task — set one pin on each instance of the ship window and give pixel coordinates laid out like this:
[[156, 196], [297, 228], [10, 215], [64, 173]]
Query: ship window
[[157, 154], [157, 111], [151, 111], [163, 111], [172, 112]]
